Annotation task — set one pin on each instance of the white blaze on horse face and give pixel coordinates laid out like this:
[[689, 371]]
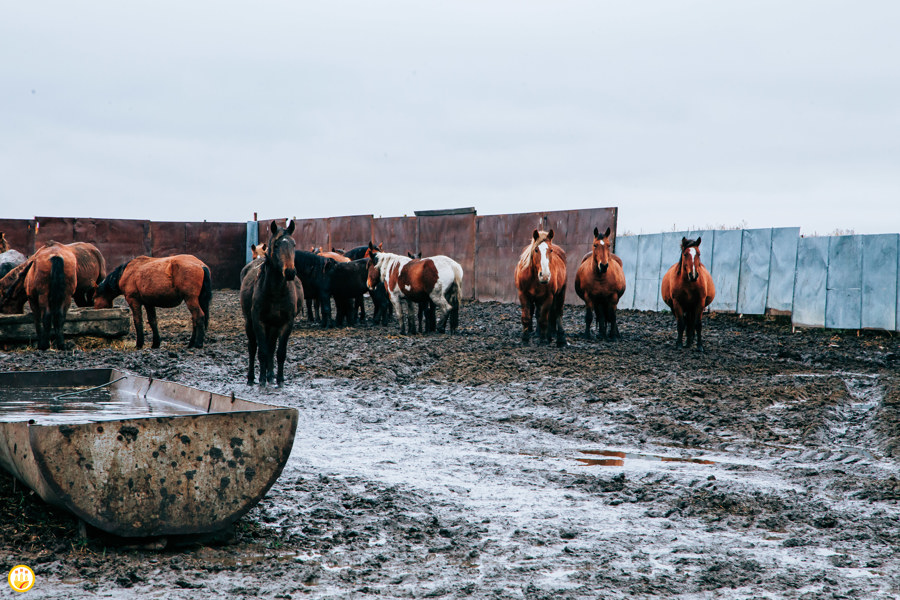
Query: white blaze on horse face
[[544, 273], [692, 252]]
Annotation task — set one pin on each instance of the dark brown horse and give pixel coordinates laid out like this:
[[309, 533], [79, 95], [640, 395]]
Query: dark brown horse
[[687, 287], [12, 290], [600, 282], [49, 284], [91, 271], [540, 276], [160, 283], [269, 304]]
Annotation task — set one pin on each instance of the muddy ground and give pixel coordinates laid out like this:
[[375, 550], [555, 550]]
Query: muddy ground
[[472, 466]]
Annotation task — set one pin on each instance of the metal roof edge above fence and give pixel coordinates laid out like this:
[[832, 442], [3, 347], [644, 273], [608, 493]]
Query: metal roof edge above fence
[[443, 213]]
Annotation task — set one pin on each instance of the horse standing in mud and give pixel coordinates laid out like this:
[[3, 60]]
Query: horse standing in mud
[[540, 276], [49, 279], [160, 283], [438, 278], [269, 304], [91, 271], [687, 288], [600, 282]]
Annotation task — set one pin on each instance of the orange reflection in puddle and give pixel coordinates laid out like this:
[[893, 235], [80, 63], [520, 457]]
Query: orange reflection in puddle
[[619, 457]]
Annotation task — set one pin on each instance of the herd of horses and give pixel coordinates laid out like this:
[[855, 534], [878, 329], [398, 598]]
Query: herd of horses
[[280, 278]]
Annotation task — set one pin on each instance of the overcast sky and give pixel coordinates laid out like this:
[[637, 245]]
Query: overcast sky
[[682, 114]]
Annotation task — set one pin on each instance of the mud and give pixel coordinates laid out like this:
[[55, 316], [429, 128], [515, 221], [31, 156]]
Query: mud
[[472, 466]]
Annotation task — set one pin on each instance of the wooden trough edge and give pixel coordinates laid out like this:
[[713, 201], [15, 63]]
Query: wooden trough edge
[[99, 322]]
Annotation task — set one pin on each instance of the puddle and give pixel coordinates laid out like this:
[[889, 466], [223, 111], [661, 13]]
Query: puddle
[[617, 458]]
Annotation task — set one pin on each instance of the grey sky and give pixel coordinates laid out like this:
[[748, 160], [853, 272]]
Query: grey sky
[[682, 114]]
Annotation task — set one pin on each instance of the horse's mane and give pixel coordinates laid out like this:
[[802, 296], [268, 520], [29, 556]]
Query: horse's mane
[[525, 257], [685, 244], [110, 285]]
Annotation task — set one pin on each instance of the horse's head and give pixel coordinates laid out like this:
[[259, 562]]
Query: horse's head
[[4, 245], [280, 251], [373, 273], [690, 258], [258, 250], [601, 250], [109, 288], [542, 251]]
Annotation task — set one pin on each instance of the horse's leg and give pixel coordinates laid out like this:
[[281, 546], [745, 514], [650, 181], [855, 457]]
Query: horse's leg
[[699, 327], [588, 316], [410, 316], [251, 349], [38, 326], [398, 310], [154, 328], [557, 313], [613, 326], [282, 350], [325, 310], [600, 308], [199, 324], [544, 322], [361, 305], [59, 318], [264, 349], [527, 320], [137, 316], [679, 319]]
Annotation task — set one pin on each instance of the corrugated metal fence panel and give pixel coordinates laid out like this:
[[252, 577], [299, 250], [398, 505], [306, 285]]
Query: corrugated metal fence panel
[[753, 280], [573, 231], [646, 284], [119, 240], [396, 234], [781, 269], [499, 240], [843, 303], [252, 239], [345, 233], [627, 250], [726, 268], [453, 236], [809, 284], [221, 247], [20, 234], [309, 234], [879, 281]]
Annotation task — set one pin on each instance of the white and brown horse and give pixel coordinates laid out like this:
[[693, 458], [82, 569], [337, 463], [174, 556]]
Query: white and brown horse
[[687, 287], [540, 276], [407, 280]]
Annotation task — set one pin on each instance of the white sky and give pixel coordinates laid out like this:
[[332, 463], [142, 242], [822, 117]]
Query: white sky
[[682, 114]]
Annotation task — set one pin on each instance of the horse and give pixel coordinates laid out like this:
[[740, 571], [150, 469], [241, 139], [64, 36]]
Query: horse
[[427, 311], [361, 252], [257, 251], [335, 256], [91, 271], [9, 258], [259, 255], [160, 283], [600, 282], [540, 276], [4, 245], [269, 304], [311, 271], [12, 290], [347, 285], [687, 288], [438, 278], [49, 279]]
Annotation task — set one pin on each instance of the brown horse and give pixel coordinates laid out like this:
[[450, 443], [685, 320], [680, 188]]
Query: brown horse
[[600, 282], [49, 284], [258, 250], [335, 256], [4, 245], [91, 271], [160, 283], [269, 304], [12, 290], [687, 287], [540, 276]]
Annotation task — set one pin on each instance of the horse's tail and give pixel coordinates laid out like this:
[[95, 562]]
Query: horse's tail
[[455, 294], [57, 284], [205, 295]]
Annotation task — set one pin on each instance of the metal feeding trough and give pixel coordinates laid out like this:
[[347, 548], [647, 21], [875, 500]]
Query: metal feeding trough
[[140, 457], [99, 322]]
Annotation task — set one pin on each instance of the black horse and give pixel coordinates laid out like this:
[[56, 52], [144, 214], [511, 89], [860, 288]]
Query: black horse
[[269, 304], [316, 282]]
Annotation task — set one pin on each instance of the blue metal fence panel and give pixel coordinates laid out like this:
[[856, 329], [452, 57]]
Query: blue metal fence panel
[[781, 268], [753, 280], [809, 283], [843, 304], [646, 286], [879, 281], [252, 237], [726, 261], [627, 250]]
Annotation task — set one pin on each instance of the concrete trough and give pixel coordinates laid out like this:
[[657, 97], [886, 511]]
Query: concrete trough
[[98, 322], [139, 457]]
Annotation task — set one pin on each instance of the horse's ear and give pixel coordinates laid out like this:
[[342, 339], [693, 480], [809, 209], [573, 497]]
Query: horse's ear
[[274, 227], [596, 233], [290, 228], [550, 235], [535, 235], [608, 231], [380, 246], [409, 254], [697, 243], [371, 247], [684, 243]]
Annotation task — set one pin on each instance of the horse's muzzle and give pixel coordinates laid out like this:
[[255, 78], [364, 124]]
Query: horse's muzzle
[[289, 274], [693, 276], [543, 278], [603, 267]]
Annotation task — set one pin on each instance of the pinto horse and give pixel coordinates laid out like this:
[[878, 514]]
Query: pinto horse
[[600, 282], [269, 304], [540, 276], [49, 278], [407, 280], [687, 287], [160, 283]]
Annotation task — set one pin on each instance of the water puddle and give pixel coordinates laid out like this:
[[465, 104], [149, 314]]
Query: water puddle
[[617, 458]]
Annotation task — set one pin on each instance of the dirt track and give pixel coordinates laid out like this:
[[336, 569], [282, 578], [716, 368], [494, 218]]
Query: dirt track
[[471, 466]]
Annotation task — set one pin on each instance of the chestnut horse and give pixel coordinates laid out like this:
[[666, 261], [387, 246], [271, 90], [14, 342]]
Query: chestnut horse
[[269, 304], [687, 287], [540, 276], [160, 283], [600, 282], [49, 284], [438, 278], [91, 271]]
